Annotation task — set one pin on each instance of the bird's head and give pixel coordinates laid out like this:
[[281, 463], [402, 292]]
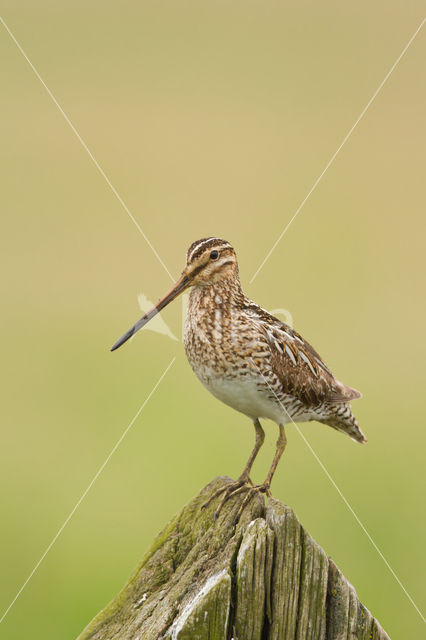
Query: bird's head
[[208, 261]]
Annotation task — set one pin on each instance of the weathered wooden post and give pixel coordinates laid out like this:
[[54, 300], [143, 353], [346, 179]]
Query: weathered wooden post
[[264, 579]]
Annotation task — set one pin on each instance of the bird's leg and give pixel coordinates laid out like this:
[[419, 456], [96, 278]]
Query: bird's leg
[[281, 445], [265, 486], [260, 438], [243, 483]]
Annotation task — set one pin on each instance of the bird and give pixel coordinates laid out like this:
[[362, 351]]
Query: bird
[[251, 360]]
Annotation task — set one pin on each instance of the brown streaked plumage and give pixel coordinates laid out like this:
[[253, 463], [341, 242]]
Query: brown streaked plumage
[[249, 359]]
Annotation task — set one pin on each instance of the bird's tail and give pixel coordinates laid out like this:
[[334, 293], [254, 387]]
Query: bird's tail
[[341, 418]]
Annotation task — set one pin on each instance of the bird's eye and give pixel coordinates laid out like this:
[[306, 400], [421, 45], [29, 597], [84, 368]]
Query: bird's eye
[[214, 255]]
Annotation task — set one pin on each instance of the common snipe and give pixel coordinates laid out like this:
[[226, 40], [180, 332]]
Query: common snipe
[[249, 359]]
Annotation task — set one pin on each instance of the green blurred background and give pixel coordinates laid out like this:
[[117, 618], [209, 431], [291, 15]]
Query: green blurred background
[[210, 118]]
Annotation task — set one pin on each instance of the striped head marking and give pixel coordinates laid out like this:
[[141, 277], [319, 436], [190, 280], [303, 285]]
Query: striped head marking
[[209, 260]]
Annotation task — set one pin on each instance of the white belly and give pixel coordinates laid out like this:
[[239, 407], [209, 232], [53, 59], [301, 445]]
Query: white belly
[[244, 395]]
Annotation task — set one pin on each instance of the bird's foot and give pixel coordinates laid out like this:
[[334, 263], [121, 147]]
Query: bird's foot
[[252, 491], [242, 484]]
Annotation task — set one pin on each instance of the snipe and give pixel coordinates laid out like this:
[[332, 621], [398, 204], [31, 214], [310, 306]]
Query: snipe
[[249, 359]]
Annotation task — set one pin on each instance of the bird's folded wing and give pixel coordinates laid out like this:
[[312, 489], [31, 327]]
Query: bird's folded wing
[[300, 369]]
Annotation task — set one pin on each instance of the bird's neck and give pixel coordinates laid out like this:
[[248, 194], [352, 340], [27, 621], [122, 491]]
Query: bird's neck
[[224, 292]]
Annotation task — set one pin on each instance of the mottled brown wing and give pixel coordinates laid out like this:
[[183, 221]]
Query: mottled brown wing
[[337, 391], [299, 367], [296, 376]]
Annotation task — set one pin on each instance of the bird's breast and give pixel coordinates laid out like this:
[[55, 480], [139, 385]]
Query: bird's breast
[[222, 359], [221, 342]]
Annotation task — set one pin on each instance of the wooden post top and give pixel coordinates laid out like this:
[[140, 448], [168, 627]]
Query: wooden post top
[[263, 579]]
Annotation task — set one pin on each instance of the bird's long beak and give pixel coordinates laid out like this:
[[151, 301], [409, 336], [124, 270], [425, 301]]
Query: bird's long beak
[[180, 286]]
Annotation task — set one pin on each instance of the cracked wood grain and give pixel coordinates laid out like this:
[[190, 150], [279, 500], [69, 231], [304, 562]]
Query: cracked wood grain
[[263, 579]]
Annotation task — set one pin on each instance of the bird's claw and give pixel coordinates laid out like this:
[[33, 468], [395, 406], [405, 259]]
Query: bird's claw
[[242, 484], [252, 491]]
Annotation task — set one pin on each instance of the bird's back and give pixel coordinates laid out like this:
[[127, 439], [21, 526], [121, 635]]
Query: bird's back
[[304, 376]]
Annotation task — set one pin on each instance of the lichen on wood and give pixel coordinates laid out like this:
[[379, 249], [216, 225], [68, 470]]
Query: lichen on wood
[[263, 578]]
